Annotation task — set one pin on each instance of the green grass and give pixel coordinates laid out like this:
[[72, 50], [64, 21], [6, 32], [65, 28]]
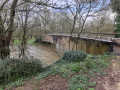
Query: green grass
[[29, 41], [17, 42]]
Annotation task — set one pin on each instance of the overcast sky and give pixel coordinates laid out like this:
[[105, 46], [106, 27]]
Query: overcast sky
[[62, 2]]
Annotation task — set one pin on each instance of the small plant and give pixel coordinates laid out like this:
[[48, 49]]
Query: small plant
[[74, 56], [97, 62], [91, 89], [17, 41], [92, 84], [79, 81], [31, 41]]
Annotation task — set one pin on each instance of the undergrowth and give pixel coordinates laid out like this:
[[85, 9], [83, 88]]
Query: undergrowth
[[29, 41], [78, 72], [13, 69]]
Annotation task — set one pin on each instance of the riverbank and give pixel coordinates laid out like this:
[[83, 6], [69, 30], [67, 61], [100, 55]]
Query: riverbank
[[72, 76]]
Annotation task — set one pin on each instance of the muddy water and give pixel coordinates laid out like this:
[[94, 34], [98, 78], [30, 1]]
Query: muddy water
[[45, 53]]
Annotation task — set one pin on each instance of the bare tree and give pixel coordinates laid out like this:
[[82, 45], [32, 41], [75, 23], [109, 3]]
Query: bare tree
[[6, 33], [81, 11], [7, 30]]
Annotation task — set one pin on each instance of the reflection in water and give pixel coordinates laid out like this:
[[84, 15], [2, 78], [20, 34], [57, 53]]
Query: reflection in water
[[45, 53]]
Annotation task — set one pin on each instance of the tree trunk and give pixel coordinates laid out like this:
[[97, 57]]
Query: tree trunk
[[5, 40], [24, 39], [4, 48]]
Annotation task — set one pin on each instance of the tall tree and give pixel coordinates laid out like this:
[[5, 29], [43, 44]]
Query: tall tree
[[6, 31], [81, 10], [6, 34], [116, 8]]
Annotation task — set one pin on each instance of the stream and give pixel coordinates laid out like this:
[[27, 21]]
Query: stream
[[45, 53]]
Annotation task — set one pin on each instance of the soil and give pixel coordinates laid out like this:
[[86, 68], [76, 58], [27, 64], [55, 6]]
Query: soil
[[55, 82], [112, 80]]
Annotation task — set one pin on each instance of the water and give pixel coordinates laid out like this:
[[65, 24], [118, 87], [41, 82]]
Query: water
[[45, 53]]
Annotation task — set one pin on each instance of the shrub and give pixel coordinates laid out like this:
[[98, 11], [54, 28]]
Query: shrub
[[74, 56], [12, 69]]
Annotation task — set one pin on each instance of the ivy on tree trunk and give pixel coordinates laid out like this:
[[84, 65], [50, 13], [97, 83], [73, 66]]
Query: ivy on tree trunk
[[116, 8], [5, 37]]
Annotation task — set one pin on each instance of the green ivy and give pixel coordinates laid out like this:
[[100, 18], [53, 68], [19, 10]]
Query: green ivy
[[74, 56], [13, 69], [116, 8]]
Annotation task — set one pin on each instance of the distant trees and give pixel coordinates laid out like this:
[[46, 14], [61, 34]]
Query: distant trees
[[9, 9], [116, 8], [104, 23], [35, 17]]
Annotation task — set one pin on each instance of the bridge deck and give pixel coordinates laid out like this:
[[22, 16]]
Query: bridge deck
[[97, 38]]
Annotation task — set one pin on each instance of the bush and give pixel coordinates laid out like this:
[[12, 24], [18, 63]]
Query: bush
[[74, 56], [12, 69]]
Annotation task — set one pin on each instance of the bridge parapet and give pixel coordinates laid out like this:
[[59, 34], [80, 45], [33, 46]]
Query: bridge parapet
[[100, 38]]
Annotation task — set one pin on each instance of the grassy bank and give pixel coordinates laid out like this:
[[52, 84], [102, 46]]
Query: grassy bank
[[78, 74], [18, 42]]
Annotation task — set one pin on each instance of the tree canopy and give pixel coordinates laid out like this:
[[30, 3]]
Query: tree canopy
[[116, 8]]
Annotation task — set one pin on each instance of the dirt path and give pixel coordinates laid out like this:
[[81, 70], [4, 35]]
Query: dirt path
[[53, 82], [112, 80]]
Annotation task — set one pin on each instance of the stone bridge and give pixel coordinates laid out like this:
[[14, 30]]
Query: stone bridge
[[92, 45]]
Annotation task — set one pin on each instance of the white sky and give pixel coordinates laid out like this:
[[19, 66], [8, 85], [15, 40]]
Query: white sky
[[61, 2]]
